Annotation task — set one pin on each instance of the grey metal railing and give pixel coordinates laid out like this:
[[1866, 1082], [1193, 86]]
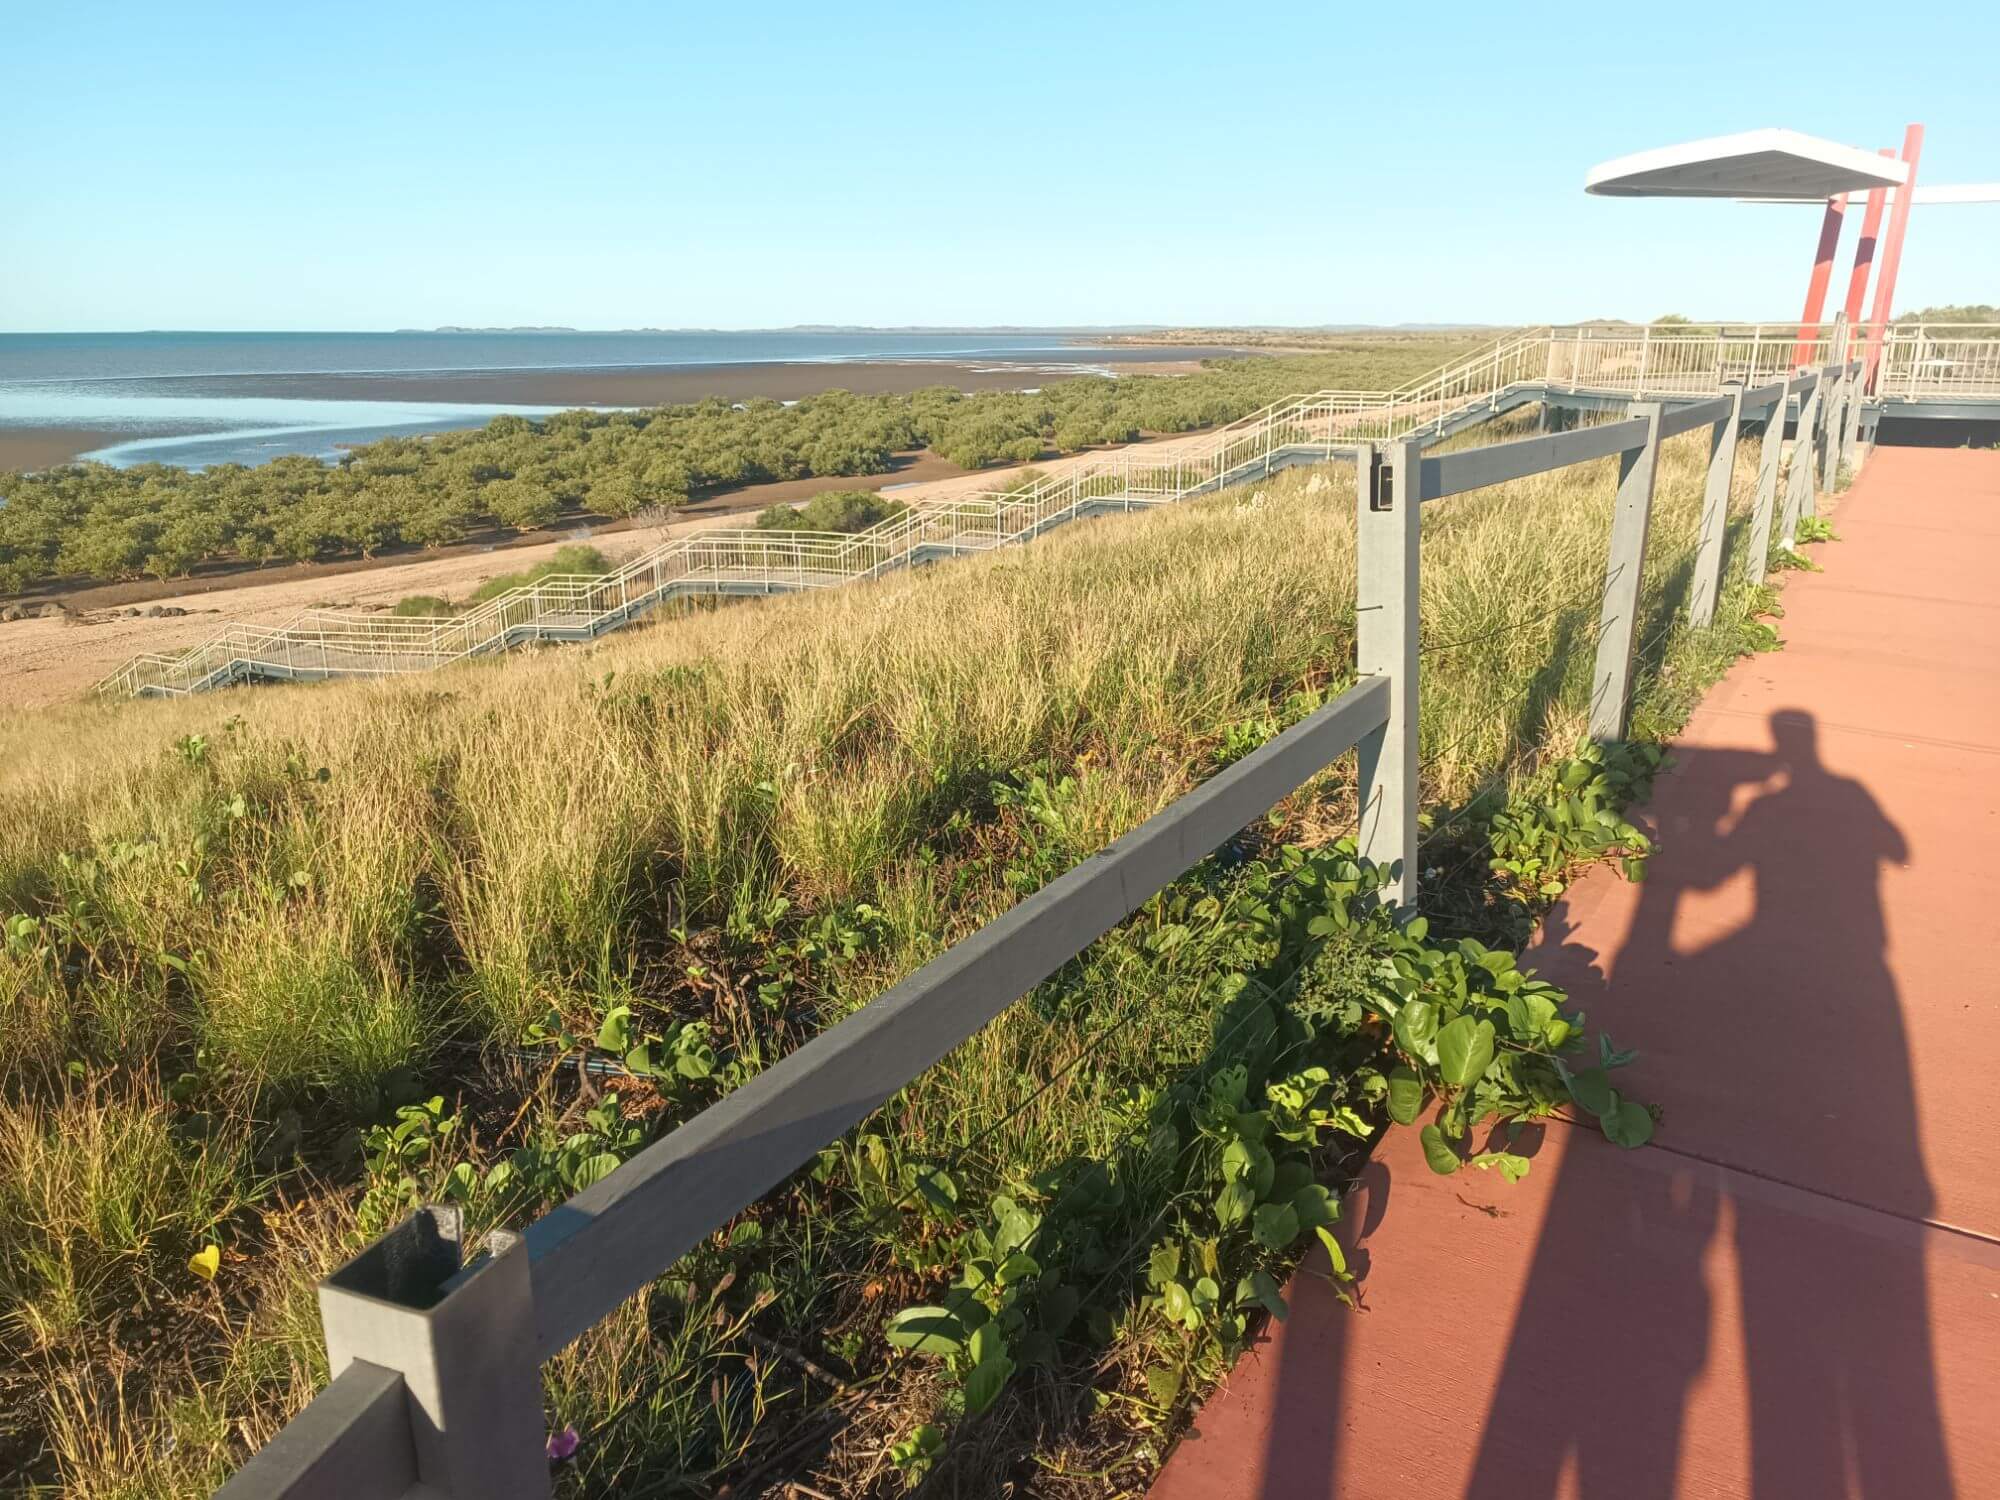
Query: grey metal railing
[[436, 1354]]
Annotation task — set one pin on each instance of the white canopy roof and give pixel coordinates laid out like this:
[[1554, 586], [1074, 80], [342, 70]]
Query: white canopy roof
[[1766, 164], [1957, 192]]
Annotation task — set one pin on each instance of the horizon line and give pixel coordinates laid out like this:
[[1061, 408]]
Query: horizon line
[[551, 328]]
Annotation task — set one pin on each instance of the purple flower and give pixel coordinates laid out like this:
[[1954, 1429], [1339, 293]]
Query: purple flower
[[562, 1445]]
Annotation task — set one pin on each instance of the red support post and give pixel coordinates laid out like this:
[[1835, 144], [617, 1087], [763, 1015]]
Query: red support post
[[1864, 250], [1892, 252], [1822, 273]]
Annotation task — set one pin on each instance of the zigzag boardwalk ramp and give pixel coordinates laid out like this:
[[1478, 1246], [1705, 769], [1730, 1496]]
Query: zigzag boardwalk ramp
[[1794, 1293]]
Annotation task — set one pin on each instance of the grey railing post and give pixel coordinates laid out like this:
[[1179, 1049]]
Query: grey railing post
[[1834, 419], [1715, 513], [463, 1339], [1618, 619], [1766, 506], [1823, 433], [1851, 429], [1387, 529], [1799, 498]]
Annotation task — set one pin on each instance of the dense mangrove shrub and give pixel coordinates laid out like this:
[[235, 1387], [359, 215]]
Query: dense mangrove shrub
[[93, 521]]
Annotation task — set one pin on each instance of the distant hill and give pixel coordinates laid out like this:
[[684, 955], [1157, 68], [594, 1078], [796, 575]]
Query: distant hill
[[1187, 333], [1971, 312]]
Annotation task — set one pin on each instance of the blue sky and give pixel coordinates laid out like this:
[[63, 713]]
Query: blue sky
[[609, 165]]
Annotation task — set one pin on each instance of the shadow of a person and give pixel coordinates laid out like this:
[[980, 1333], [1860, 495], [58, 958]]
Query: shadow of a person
[[1797, 1012], [1837, 1343], [1619, 1432]]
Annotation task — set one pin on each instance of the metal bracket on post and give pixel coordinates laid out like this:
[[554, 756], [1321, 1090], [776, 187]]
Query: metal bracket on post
[[1618, 618], [1387, 532], [463, 1339], [1799, 498], [1765, 509], [1715, 513]]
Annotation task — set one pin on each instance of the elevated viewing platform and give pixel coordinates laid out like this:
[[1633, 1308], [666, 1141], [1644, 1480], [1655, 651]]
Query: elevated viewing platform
[[1252, 893], [1795, 1277], [1795, 1290]]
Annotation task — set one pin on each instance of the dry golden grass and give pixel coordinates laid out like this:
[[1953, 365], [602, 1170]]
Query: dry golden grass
[[292, 952]]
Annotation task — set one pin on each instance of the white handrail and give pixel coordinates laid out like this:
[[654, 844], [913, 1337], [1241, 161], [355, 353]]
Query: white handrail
[[1919, 362]]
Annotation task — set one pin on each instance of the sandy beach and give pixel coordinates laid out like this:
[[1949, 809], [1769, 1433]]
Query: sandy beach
[[52, 660], [46, 447]]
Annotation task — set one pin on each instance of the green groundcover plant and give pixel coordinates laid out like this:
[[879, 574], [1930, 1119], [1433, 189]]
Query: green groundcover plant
[[282, 964]]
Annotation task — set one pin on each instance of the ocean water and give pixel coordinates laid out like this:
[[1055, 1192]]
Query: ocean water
[[197, 399]]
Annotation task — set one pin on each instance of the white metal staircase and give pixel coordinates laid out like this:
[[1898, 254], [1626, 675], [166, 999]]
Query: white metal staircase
[[1610, 360]]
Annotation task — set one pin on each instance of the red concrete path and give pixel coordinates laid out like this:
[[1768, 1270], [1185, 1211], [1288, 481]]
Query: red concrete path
[[1795, 1294]]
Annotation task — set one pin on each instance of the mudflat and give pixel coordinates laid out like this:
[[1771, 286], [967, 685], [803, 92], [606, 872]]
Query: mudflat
[[46, 447], [650, 385], [26, 447]]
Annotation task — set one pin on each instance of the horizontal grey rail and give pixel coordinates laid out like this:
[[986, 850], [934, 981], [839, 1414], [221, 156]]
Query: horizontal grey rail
[[607, 1242], [352, 1439], [1764, 397], [1676, 420], [456, 1416], [1475, 468], [1446, 474]]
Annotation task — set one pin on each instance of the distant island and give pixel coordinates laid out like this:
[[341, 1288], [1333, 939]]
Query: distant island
[[1147, 331], [907, 328]]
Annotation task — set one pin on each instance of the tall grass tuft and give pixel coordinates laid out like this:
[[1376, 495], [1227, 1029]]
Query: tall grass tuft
[[103, 1198]]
